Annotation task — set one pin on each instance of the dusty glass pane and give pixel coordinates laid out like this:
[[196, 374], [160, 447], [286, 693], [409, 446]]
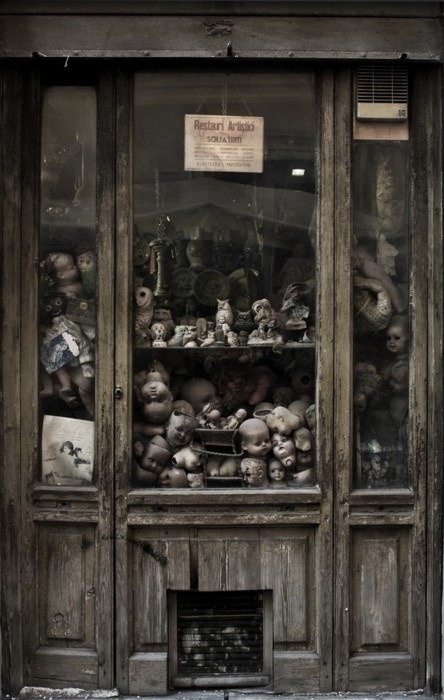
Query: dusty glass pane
[[381, 324], [224, 280], [67, 314]]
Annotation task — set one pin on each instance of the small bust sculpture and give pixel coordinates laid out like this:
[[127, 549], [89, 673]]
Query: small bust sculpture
[[255, 437]]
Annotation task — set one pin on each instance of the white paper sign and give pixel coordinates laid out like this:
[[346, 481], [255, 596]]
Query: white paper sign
[[67, 451], [224, 143]]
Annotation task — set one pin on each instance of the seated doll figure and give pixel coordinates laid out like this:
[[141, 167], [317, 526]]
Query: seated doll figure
[[254, 471], [255, 437], [284, 449]]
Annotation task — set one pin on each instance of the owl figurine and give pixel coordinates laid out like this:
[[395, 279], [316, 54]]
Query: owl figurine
[[224, 314], [143, 314]]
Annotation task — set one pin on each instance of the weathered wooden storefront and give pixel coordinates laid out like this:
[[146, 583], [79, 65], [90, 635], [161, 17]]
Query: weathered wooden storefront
[[222, 326]]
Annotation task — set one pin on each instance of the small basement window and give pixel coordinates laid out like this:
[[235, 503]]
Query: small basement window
[[220, 638]]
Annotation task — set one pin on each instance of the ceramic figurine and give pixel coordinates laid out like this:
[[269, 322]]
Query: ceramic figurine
[[158, 335], [297, 312], [143, 314], [224, 315], [176, 341], [266, 322], [232, 422], [87, 266], [163, 315], [255, 437]]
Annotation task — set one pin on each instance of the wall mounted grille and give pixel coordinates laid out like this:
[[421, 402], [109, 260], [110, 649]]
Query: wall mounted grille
[[221, 635], [382, 92]]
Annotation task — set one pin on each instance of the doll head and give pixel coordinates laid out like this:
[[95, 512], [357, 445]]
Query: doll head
[[157, 399], [173, 478], [155, 455], [284, 449], [276, 472], [397, 335], [282, 420], [179, 429], [200, 392], [254, 471], [255, 437]]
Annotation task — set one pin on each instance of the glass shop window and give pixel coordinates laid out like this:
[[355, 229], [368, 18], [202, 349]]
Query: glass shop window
[[224, 260], [381, 325], [67, 285]]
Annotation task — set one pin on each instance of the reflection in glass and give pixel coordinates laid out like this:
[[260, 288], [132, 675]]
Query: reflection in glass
[[224, 281], [381, 325], [67, 285]]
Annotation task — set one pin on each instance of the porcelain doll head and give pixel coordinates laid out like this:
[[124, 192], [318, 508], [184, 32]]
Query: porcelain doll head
[[200, 393], [155, 455], [195, 480], [255, 437], [397, 335], [157, 399], [303, 439], [188, 459], [282, 420], [276, 473], [284, 449], [61, 268], [254, 471], [173, 478], [179, 429], [310, 417]]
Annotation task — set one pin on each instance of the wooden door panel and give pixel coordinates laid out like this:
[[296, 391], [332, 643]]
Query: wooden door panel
[[158, 562], [67, 611], [229, 560], [66, 585], [287, 568], [380, 597]]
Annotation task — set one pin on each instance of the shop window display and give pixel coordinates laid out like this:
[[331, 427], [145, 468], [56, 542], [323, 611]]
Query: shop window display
[[381, 320], [67, 285], [224, 284]]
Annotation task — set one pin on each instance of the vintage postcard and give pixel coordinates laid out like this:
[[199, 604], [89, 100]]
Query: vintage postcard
[[67, 451]]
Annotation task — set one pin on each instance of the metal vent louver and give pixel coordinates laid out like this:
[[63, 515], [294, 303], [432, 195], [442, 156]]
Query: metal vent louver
[[219, 634], [382, 92]]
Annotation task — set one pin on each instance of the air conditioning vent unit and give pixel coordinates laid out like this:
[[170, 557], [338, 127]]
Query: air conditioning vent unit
[[382, 92]]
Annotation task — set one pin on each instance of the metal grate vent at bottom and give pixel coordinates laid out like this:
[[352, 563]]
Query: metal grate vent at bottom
[[220, 634]]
